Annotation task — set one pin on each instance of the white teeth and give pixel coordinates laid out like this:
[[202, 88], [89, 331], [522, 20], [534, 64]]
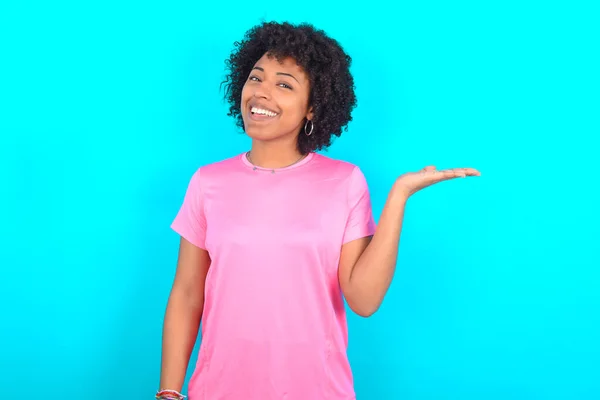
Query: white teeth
[[262, 111]]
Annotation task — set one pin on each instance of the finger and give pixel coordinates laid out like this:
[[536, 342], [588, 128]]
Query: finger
[[467, 171], [453, 173], [472, 172], [460, 172], [428, 170]]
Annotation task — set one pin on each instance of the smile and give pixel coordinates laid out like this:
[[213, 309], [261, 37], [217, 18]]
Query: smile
[[262, 114]]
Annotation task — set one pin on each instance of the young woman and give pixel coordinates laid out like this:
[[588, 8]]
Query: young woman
[[273, 240]]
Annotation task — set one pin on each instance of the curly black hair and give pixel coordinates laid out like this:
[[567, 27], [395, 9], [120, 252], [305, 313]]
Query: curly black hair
[[322, 58]]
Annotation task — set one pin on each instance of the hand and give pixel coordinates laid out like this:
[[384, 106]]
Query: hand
[[411, 182]]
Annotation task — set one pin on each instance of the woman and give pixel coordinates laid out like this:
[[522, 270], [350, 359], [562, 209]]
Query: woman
[[273, 240]]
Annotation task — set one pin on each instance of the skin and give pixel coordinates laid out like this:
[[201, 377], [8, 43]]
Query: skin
[[366, 266], [282, 87], [183, 314]]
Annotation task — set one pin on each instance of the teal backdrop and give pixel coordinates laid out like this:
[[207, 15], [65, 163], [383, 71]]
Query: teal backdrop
[[107, 108]]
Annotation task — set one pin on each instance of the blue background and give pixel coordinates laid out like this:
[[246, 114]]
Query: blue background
[[107, 108]]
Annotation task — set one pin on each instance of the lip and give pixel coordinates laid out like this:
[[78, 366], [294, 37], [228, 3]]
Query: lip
[[260, 105], [261, 118], [258, 117]]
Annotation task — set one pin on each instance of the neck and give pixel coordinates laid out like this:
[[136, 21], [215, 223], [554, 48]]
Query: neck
[[274, 155]]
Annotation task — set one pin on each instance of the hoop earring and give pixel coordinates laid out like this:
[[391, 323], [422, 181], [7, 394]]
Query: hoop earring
[[312, 126]]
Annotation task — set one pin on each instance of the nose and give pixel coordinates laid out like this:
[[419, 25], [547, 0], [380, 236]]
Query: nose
[[260, 91]]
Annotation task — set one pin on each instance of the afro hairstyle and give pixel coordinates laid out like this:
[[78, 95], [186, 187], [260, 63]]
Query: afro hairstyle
[[327, 66]]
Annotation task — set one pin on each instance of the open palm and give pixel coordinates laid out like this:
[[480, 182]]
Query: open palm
[[412, 182]]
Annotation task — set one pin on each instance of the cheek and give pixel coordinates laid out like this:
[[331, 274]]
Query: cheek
[[295, 109], [244, 93]]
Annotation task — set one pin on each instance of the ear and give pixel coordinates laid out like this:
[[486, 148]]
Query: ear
[[310, 114]]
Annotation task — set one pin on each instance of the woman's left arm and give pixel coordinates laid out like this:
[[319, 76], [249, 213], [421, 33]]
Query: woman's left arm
[[367, 265]]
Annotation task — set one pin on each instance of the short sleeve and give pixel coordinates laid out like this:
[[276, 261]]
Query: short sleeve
[[360, 219], [190, 221]]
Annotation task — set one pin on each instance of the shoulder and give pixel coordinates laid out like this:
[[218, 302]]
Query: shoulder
[[207, 175], [334, 164], [217, 169], [352, 181], [338, 168]]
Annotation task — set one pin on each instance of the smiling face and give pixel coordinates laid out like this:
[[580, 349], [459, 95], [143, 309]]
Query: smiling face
[[275, 99]]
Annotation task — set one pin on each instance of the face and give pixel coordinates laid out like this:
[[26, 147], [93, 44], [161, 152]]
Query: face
[[275, 99]]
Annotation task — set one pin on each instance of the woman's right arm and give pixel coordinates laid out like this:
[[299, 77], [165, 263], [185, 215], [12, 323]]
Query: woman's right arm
[[183, 315]]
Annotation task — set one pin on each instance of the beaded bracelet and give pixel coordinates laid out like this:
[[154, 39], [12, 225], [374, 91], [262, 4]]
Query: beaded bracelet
[[165, 394]]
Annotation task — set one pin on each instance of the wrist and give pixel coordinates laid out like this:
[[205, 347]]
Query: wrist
[[399, 194], [166, 394]]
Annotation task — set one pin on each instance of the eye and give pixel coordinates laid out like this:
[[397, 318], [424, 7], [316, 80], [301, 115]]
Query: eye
[[253, 78], [285, 86]]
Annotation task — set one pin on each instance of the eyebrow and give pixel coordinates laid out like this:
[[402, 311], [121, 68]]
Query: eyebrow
[[278, 73]]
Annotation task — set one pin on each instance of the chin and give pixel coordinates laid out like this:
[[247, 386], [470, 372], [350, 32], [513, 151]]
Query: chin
[[259, 134]]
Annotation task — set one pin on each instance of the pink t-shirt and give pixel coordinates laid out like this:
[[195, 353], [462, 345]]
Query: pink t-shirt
[[274, 322]]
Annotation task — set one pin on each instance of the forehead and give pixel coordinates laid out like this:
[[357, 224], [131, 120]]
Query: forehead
[[287, 64]]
